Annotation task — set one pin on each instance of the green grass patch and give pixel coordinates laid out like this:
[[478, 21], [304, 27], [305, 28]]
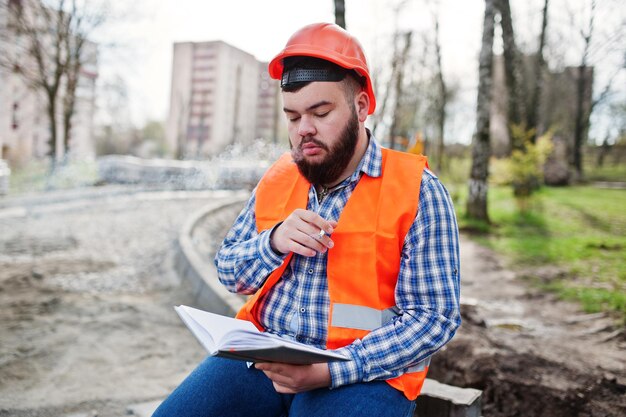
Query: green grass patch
[[593, 300], [581, 229], [36, 176], [613, 170], [607, 173]]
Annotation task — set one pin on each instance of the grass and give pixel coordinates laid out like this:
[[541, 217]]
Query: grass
[[607, 172], [36, 176], [580, 230]]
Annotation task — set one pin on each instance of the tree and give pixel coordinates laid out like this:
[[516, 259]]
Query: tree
[[581, 126], [80, 51], [394, 88], [481, 148], [113, 134], [340, 13], [398, 86], [49, 52], [513, 69], [539, 70], [441, 101]]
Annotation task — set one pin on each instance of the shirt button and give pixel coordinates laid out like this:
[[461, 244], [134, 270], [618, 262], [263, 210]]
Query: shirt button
[[302, 310], [310, 271]]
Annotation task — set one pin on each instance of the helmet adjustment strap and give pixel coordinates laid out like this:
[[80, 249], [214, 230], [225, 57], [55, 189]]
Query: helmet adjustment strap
[[301, 75]]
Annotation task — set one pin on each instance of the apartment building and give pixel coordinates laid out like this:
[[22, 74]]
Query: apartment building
[[24, 125], [220, 95]]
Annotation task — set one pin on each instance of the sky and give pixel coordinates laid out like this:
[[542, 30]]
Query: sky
[[147, 29], [143, 33]]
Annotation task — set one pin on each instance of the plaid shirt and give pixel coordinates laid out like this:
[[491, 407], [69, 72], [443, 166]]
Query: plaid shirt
[[427, 291]]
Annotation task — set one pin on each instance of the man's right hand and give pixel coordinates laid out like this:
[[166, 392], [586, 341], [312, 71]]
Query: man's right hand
[[300, 233]]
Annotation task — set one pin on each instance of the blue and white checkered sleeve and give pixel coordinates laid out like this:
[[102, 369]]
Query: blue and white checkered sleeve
[[427, 294], [245, 258]]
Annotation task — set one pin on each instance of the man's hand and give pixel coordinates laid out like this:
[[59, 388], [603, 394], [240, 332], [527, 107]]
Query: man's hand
[[300, 233], [292, 379]]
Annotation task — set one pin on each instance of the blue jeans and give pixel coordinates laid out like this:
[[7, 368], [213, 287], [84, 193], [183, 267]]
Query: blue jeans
[[224, 387]]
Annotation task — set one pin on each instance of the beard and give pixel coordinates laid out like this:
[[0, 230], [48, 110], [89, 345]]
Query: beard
[[337, 158]]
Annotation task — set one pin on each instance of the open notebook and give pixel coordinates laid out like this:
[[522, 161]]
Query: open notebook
[[239, 339]]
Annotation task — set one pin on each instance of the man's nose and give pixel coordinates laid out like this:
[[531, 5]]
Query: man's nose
[[306, 127]]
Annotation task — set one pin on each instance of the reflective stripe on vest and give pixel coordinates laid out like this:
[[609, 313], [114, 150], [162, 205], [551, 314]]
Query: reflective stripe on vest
[[363, 265], [367, 318], [360, 317], [420, 366]]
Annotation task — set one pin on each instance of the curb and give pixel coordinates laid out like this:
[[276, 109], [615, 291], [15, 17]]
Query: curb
[[436, 399], [209, 293]]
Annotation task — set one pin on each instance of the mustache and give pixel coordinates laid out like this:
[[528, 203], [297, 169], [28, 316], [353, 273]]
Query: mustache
[[314, 141]]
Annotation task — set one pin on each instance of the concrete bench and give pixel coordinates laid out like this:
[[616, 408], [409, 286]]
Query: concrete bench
[[441, 400]]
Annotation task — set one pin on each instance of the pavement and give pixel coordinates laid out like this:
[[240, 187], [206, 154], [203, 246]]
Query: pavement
[[87, 289]]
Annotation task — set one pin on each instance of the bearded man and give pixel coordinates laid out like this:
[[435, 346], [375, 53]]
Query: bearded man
[[343, 245]]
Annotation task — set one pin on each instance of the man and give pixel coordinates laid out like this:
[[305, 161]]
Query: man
[[343, 245]]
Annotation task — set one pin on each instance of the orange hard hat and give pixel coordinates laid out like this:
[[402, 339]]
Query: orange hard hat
[[329, 42]]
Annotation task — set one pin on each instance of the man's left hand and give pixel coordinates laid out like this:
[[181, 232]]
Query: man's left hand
[[292, 379]]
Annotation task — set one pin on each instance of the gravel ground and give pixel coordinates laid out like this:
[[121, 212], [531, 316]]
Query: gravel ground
[[87, 326], [87, 287]]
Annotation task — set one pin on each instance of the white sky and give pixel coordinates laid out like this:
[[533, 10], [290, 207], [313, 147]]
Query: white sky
[[146, 30]]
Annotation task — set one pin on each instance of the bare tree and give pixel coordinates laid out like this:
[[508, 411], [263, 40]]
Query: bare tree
[[49, 55], [481, 150], [513, 68], [398, 87], [340, 13], [79, 51], [539, 70], [442, 98], [582, 114], [396, 58]]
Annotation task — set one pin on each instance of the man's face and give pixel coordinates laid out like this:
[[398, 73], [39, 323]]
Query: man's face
[[323, 130]]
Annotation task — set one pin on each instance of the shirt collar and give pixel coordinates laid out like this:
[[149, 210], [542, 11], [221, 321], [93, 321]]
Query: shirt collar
[[372, 161]]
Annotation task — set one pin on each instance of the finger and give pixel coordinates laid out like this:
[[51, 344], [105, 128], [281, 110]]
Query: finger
[[323, 238], [300, 249], [281, 389], [268, 366], [318, 234], [278, 378], [316, 220], [315, 241], [312, 242]]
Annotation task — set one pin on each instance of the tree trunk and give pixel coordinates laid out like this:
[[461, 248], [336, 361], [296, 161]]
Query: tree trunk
[[580, 123], [540, 64], [603, 151], [52, 141], [481, 151], [340, 13], [513, 70], [381, 104], [582, 116], [441, 101], [395, 121], [69, 102]]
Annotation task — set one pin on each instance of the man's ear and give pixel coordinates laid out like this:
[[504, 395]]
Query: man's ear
[[362, 104]]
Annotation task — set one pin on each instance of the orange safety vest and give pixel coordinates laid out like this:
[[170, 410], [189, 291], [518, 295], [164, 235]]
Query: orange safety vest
[[363, 265]]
